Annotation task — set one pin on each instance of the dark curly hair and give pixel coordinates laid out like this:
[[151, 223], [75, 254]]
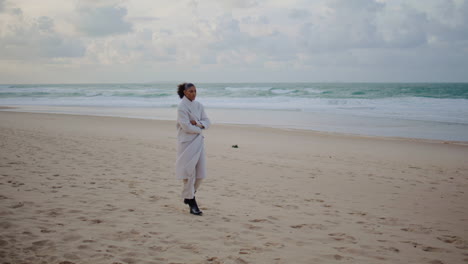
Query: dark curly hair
[[181, 87]]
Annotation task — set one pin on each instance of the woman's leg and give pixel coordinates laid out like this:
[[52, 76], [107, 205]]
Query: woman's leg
[[197, 184], [192, 184], [188, 190], [200, 169]]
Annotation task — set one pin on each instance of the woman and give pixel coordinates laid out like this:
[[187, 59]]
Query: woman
[[191, 161]]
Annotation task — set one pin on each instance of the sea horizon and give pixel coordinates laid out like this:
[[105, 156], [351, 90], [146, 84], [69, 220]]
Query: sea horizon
[[213, 82]]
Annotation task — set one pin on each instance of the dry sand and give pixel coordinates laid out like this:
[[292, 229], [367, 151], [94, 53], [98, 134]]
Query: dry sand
[[83, 189]]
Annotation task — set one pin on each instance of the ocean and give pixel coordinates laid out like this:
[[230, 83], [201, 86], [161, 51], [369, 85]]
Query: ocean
[[414, 110]]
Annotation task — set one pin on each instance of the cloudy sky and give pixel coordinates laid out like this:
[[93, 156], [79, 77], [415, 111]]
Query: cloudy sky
[[76, 41]]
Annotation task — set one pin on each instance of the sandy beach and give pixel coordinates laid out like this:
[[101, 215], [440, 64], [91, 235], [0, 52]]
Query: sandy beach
[[87, 189]]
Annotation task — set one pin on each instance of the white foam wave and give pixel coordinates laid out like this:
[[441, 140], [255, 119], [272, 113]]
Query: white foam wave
[[282, 91], [313, 91], [414, 108], [240, 89]]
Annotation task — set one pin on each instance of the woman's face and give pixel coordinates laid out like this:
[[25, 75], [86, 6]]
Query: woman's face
[[191, 93]]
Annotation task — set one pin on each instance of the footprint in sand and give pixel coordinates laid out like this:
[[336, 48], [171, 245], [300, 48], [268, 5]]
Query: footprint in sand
[[311, 226], [434, 249], [343, 237], [391, 221], [360, 252], [73, 256], [455, 240], [72, 237], [158, 248], [391, 249], [238, 260], [18, 205], [47, 231], [83, 247], [339, 257], [252, 227], [3, 243], [214, 260], [260, 221], [418, 229], [38, 245], [426, 248], [129, 260], [287, 206]]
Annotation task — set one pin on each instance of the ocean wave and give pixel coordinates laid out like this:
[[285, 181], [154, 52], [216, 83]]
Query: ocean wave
[[313, 91], [437, 102], [307, 90], [247, 88], [414, 108], [283, 91]]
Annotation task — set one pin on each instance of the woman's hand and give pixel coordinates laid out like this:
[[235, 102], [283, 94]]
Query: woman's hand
[[193, 122]]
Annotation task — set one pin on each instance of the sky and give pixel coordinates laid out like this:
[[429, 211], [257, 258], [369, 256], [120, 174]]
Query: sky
[[138, 41]]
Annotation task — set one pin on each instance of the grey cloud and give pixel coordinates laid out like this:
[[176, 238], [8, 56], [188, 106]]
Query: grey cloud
[[329, 36], [208, 58], [239, 3], [165, 32], [298, 14], [103, 21], [229, 38], [193, 4], [16, 11], [368, 24], [45, 23], [143, 19], [38, 40], [145, 35], [60, 47], [276, 47], [141, 46], [415, 28], [356, 5], [408, 29], [171, 50], [457, 30], [402, 43], [228, 32], [260, 20], [6, 7], [365, 24]]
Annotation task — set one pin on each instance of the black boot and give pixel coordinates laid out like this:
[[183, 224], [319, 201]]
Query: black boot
[[193, 206]]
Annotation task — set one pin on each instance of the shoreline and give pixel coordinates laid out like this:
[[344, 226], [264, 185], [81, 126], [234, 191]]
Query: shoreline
[[319, 123]]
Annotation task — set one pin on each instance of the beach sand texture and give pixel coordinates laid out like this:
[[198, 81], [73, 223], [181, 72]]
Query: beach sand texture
[[86, 189]]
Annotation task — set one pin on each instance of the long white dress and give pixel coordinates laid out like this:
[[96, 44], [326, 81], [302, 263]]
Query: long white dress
[[191, 161]]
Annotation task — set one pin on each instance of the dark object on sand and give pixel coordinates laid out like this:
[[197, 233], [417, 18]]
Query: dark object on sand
[[235, 146]]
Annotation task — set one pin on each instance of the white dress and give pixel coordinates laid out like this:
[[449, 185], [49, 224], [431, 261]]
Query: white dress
[[191, 161]]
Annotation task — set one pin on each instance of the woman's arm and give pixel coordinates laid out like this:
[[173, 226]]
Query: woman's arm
[[204, 121], [184, 121]]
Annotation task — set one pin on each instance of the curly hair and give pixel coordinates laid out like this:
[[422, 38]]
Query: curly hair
[[181, 87]]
